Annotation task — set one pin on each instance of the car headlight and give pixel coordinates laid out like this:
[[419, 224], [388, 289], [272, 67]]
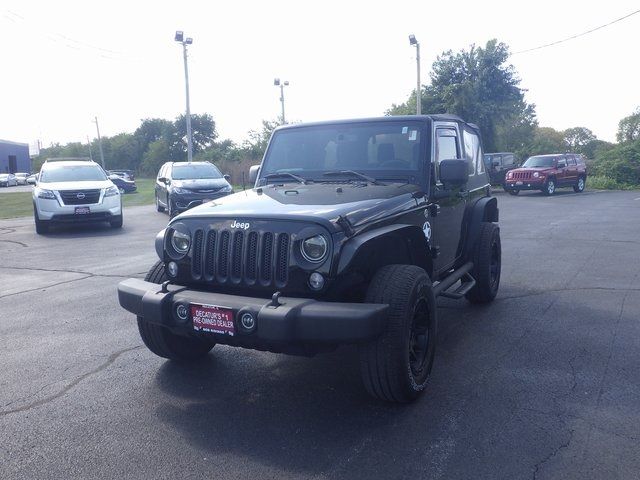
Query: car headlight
[[111, 191], [227, 189], [509, 174], [42, 193], [536, 174], [314, 249], [179, 191], [180, 242]]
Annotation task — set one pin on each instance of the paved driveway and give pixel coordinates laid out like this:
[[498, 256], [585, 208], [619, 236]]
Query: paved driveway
[[543, 383]]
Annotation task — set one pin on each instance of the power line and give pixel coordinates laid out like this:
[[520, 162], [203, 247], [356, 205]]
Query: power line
[[578, 35]]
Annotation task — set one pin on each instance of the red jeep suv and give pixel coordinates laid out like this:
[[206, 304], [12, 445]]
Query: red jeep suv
[[548, 172]]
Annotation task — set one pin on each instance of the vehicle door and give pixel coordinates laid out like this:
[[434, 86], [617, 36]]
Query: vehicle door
[[561, 171], [572, 170], [450, 205], [161, 187]]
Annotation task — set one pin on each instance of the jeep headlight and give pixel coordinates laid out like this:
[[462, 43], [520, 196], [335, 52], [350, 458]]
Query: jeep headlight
[[536, 174], [179, 241], [314, 249]]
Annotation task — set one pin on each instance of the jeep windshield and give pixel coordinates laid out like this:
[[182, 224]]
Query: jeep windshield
[[195, 171], [537, 162], [72, 173], [361, 151]]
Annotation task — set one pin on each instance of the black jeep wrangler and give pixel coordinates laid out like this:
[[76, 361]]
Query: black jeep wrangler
[[351, 232]]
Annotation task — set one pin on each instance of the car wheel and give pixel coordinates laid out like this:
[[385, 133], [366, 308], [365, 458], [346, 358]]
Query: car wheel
[[395, 367], [116, 222], [161, 341], [549, 187], [513, 192], [159, 208], [121, 190], [579, 186], [42, 226], [487, 265], [170, 209]]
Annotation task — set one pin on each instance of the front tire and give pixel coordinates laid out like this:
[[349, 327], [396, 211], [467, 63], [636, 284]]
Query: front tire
[[42, 226], [161, 341], [159, 208], [549, 187], [395, 367], [117, 222], [513, 192], [487, 264], [579, 186]]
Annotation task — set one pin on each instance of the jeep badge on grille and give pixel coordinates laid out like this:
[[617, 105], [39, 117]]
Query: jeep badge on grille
[[242, 225]]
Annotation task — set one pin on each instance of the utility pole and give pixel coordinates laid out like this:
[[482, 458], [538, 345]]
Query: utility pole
[[277, 83], [414, 42], [100, 143], [186, 41], [89, 143]]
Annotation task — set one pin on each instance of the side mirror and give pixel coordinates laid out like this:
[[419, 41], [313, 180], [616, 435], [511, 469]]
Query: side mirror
[[253, 173], [454, 172], [164, 180], [227, 177]]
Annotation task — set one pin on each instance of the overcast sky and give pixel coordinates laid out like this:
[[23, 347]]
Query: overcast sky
[[65, 62]]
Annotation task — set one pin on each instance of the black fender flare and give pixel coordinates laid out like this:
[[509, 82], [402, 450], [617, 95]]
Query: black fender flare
[[484, 209], [159, 243], [416, 242]]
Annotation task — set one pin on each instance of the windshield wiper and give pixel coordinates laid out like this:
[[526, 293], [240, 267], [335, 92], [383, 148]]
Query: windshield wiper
[[285, 174], [353, 173]]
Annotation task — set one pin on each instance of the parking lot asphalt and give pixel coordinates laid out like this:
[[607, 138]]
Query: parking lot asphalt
[[542, 383]]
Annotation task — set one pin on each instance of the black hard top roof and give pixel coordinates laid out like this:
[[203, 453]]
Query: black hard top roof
[[442, 117]]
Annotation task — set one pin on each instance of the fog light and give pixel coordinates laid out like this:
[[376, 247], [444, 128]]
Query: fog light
[[248, 322], [316, 281], [172, 269], [182, 312]]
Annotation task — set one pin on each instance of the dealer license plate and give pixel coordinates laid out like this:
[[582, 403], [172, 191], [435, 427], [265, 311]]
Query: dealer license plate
[[213, 319], [83, 210]]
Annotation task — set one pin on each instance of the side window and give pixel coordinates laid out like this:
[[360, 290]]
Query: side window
[[161, 171], [446, 144], [508, 160], [472, 152], [571, 161], [562, 162]]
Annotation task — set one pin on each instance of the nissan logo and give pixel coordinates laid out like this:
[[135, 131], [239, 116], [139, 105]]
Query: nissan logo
[[80, 196]]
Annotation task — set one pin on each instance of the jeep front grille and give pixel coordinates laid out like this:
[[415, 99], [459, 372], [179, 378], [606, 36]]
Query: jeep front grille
[[79, 197], [237, 257], [521, 175]]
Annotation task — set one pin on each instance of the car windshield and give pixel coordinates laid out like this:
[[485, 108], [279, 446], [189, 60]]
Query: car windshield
[[539, 162], [72, 173], [194, 171], [375, 149]]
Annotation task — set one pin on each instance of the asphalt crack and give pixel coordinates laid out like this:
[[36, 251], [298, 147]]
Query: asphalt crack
[[552, 454], [110, 360], [80, 272], [16, 242]]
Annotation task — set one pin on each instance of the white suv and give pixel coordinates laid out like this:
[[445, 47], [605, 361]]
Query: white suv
[[75, 191]]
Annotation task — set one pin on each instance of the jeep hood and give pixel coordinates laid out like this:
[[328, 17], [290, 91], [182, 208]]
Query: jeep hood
[[322, 203]]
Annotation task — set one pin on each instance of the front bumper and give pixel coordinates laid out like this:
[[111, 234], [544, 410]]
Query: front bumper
[[531, 184], [52, 209], [183, 202], [293, 321]]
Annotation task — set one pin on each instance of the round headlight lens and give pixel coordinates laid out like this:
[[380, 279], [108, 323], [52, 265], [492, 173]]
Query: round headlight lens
[[180, 242], [314, 249], [536, 174]]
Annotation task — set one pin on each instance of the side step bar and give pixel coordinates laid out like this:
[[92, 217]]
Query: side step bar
[[462, 274]]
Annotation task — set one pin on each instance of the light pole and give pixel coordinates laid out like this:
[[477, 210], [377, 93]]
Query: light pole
[[186, 41], [100, 143], [414, 42], [277, 83]]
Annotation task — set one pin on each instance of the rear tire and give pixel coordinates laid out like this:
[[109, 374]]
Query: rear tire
[[161, 341], [42, 226], [395, 367], [513, 192], [487, 265], [579, 186]]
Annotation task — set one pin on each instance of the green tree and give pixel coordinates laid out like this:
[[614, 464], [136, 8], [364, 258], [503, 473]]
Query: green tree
[[203, 134], [596, 148], [629, 128], [621, 163], [156, 154], [546, 140], [256, 144], [481, 87], [577, 138]]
